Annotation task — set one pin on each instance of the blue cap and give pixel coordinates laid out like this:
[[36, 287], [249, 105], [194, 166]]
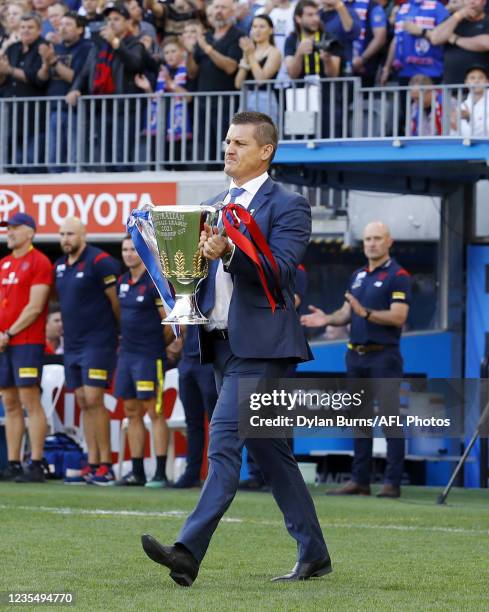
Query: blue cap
[[20, 219]]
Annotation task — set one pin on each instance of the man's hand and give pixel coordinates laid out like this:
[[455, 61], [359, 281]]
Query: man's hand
[[72, 97], [357, 65], [384, 75], [147, 42], [53, 37], [305, 47], [212, 244], [142, 81], [4, 65], [4, 340], [203, 44], [357, 308], [174, 350], [47, 54], [317, 318], [110, 36]]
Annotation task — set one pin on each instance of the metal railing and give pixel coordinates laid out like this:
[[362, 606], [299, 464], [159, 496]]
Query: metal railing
[[422, 111], [172, 131]]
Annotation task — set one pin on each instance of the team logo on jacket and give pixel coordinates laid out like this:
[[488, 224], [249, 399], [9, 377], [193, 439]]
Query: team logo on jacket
[[60, 269], [359, 279]]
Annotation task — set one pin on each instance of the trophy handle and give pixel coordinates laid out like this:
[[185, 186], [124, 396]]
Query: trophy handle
[[214, 214], [147, 231]]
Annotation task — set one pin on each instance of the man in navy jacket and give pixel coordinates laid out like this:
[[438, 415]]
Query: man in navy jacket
[[245, 339]]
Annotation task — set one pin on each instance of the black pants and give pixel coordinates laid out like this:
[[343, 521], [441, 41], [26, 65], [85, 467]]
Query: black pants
[[373, 368]]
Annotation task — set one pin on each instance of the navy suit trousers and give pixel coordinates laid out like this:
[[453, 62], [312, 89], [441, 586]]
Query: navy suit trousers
[[273, 456]]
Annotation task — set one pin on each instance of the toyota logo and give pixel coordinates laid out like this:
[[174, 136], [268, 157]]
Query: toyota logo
[[10, 203]]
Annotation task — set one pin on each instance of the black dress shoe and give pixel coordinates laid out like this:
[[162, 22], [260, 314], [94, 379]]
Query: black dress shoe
[[182, 565], [304, 571]]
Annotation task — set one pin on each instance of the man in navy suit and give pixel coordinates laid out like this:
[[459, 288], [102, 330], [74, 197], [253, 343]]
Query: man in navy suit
[[246, 339]]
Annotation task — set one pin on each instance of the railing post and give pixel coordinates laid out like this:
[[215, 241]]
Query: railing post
[[80, 133], [357, 108], [3, 134]]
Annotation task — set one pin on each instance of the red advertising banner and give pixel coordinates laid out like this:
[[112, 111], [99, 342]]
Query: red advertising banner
[[102, 207]]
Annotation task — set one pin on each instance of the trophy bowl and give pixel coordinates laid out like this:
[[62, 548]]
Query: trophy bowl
[[176, 233]]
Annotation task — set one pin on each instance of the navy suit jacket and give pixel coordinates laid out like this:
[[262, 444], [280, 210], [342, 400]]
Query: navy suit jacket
[[284, 218]]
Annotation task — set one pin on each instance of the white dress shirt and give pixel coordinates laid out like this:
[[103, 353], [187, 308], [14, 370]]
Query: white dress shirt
[[218, 316]]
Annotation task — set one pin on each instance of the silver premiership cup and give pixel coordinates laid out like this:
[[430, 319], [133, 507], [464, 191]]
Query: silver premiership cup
[[173, 234]]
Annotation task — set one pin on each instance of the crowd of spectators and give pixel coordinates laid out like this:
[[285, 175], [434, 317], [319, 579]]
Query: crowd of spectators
[[71, 48]]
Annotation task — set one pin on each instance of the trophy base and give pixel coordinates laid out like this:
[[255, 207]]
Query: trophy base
[[185, 312]]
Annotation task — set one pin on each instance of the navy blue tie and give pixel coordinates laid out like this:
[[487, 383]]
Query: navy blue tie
[[235, 192]]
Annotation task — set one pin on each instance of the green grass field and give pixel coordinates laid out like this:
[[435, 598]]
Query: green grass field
[[407, 554]]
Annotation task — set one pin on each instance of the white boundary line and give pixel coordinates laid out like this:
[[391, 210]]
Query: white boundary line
[[327, 524]]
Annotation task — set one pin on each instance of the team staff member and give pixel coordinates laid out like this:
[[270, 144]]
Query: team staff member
[[246, 339], [85, 279], [377, 305], [25, 280], [139, 374]]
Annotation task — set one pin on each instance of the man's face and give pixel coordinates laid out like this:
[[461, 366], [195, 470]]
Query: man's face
[[134, 9], [71, 237], [117, 23], [54, 326], [130, 256], [41, 5], [310, 20], [90, 6], [243, 156], [19, 236], [55, 13], [69, 31], [478, 6], [376, 241], [29, 31], [222, 12]]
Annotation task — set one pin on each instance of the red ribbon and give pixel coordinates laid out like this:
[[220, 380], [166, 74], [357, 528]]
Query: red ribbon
[[239, 215]]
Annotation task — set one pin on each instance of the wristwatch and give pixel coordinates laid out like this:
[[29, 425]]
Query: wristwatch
[[368, 312], [10, 336]]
